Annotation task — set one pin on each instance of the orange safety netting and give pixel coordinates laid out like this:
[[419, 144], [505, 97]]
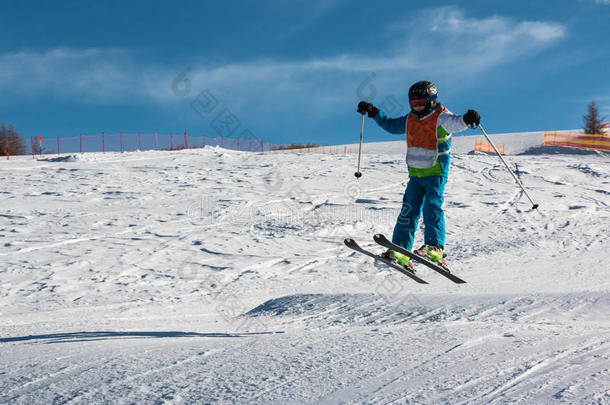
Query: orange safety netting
[[123, 142], [581, 141], [482, 146]]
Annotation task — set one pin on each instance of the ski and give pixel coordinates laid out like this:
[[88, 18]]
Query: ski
[[350, 243], [383, 241]]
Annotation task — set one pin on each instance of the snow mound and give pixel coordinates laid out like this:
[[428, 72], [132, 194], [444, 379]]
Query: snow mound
[[366, 309], [67, 158], [558, 150]]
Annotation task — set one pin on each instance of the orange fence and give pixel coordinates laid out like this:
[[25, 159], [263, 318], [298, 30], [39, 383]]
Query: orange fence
[[123, 142], [482, 146], [580, 141]]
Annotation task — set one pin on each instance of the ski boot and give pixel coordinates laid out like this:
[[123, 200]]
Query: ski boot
[[434, 253], [404, 260]]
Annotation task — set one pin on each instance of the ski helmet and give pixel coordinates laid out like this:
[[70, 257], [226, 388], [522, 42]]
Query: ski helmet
[[420, 93]]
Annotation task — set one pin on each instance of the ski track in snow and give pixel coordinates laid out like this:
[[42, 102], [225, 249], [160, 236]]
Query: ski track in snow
[[213, 276]]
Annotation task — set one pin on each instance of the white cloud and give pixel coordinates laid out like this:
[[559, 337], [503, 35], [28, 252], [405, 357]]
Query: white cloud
[[448, 43], [439, 42], [603, 2], [93, 74]]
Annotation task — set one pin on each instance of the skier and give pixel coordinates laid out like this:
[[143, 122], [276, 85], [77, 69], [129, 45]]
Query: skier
[[428, 129]]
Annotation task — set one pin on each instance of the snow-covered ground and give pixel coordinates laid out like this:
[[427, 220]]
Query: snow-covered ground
[[213, 276]]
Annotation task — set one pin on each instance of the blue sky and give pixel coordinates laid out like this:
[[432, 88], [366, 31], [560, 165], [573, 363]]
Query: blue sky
[[292, 70]]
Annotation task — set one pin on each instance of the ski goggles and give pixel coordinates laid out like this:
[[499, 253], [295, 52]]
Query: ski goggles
[[421, 102], [418, 102]]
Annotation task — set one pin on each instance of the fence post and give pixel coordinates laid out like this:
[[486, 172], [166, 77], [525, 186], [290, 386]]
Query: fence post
[[204, 141], [58, 145], [156, 141], [121, 136], [262, 145], [186, 141], [140, 140], [222, 141], [32, 144], [8, 152], [171, 141]]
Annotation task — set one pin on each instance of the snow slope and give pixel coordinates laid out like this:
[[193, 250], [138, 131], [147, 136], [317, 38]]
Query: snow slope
[[212, 276]]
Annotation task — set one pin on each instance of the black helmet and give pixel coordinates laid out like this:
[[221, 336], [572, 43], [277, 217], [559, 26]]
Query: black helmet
[[421, 92]]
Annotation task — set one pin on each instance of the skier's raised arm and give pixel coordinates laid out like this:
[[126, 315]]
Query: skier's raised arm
[[391, 125], [458, 123]]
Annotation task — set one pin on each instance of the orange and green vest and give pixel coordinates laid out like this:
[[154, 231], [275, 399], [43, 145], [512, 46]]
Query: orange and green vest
[[425, 144]]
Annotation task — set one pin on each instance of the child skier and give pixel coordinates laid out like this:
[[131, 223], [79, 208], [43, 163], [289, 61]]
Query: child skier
[[428, 129]]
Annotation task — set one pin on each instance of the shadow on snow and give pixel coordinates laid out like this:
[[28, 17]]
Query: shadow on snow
[[106, 335]]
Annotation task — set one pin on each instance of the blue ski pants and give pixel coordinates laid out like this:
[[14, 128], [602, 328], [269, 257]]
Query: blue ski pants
[[422, 194]]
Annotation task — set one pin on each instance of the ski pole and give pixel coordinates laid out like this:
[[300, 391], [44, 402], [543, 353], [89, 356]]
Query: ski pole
[[534, 205], [358, 174]]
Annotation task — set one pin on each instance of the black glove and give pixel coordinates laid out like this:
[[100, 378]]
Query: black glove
[[364, 107], [472, 118]]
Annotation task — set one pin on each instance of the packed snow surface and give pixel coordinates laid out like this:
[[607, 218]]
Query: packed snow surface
[[213, 276]]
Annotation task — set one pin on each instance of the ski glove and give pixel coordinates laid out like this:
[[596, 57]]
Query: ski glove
[[364, 107], [472, 118]]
